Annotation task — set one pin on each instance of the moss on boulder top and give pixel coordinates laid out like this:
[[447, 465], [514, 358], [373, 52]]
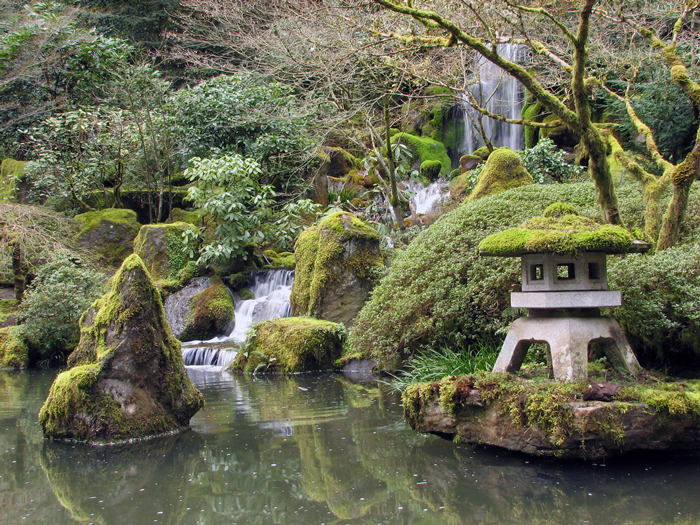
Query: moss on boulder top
[[503, 170], [279, 259], [110, 233], [291, 345], [127, 379], [337, 264], [14, 348], [162, 249], [561, 230], [11, 171], [211, 313], [424, 148]]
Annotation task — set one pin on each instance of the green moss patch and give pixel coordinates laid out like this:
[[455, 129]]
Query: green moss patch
[[8, 309], [503, 170], [561, 230], [163, 249], [11, 171], [110, 233], [211, 313], [291, 345], [424, 148], [14, 347], [279, 259]]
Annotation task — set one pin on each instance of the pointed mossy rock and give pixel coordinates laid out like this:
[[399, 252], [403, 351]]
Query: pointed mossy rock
[[291, 345], [504, 170], [162, 249], [126, 379], [110, 233], [211, 313], [337, 264], [14, 348]]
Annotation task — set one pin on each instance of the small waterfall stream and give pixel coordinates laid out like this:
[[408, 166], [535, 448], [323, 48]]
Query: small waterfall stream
[[502, 95], [271, 290], [425, 197]]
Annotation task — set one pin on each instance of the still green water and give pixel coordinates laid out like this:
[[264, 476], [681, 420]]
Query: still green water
[[313, 450]]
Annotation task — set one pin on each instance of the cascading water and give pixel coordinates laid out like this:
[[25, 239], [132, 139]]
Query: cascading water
[[501, 94], [425, 197], [271, 290]]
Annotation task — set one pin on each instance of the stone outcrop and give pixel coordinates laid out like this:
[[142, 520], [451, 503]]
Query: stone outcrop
[[291, 345], [548, 418], [110, 233], [14, 347], [211, 313], [337, 264], [126, 379], [503, 170], [161, 248]]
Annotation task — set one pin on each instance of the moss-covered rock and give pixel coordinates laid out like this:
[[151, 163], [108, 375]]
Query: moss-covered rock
[[279, 259], [430, 170], [110, 233], [424, 148], [548, 418], [560, 230], [11, 171], [211, 313], [439, 292], [482, 152], [8, 311], [14, 347], [504, 170], [127, 379], [340, 161], [337, 264], [291, 345], [162, 249], [469, 162]]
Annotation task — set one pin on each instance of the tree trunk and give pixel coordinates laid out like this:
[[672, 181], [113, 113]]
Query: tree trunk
[[683, 177], [17, 271], [395, 200], [599, 169]]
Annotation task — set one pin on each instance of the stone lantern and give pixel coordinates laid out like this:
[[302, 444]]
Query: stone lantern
[[564, 285]]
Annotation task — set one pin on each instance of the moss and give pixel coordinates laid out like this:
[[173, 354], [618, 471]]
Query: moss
[[482, 152], [423, 148], [11, 171], [279, 259], [430, 170], [109, 232], [124, 333], [8, 308], [340, 161], [163, 249], [503, 170], [562, 232], [531, 112], [454, 173], [180, 215], [211, 313], [321, 255], [666, 399], [14, 347], [559, 209], [291, 345]]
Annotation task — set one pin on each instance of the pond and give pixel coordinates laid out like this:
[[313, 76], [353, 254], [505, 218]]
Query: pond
[[313, 449]]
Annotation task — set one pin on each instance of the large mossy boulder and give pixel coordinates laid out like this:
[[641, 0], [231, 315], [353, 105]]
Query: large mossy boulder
[[504, 170], [291, 345], [338, 263], [110, 233], [162, 249], [14, 347], [423, 149], [583, 420], [211, 313], [126, 379]]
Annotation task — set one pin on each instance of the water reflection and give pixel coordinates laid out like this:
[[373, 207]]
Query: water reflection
[[313, 449]]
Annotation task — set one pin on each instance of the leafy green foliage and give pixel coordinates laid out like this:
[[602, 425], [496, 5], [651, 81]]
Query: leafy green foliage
[[62, 290], [229, 189], [248, 116], [546, 163]]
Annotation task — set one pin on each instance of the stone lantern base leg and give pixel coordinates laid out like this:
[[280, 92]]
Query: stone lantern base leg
[[568, 340]]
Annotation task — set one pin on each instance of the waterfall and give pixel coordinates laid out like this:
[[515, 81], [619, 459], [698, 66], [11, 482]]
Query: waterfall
[[271, 290], [425, 197], [502, 95]]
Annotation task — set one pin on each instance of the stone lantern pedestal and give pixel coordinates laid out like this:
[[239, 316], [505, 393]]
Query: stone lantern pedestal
[[564, 295]]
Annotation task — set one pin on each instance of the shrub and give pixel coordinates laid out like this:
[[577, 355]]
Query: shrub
[[660, 309], [62, 290], [546, 163], [440, 293]]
